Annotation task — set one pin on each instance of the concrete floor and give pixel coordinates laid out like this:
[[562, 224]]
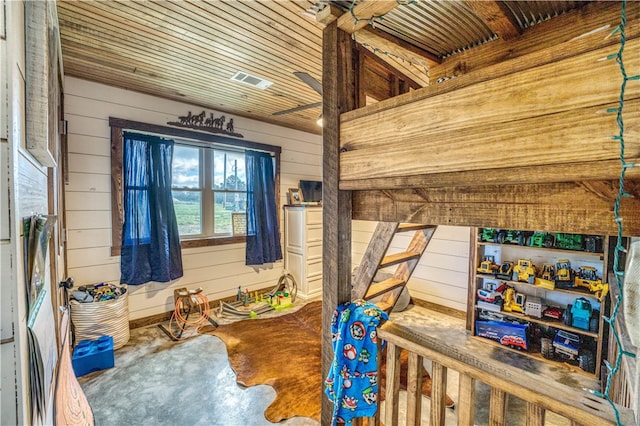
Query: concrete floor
[[156, 381]]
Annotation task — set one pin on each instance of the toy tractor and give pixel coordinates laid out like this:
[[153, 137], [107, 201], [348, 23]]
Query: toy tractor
[[524, 271], [488, 235], [488, 265], [564, 274], [505, 271], [510, 237], [587, 277], [540, 239], [569, 241], [548, 272], [581, 315]]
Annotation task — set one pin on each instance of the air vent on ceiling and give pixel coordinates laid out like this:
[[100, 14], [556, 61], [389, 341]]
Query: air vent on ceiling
[[251, 80]]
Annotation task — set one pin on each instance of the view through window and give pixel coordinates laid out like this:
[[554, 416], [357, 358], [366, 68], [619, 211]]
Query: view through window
[[208, 186]]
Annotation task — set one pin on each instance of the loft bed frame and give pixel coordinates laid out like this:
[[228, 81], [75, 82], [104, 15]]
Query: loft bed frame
[[520, 141]]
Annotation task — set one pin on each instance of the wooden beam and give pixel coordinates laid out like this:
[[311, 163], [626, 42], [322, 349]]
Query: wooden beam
[[363, 12], [535, 48], [497, 17], [578, 207], [546, 115], [338, 95], [584, 25], [402, 50]]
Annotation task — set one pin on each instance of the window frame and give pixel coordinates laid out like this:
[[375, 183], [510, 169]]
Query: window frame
[[119, 125]]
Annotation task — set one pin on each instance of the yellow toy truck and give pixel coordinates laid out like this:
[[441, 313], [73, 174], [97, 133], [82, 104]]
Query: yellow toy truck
[[488, 265], [524, 271], [564, 274], [587, 277]]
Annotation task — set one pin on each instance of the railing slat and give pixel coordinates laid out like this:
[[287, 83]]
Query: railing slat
[[392, 385], [414, 389], [438, 393], [535, 415], [498, 407], [466, 400]]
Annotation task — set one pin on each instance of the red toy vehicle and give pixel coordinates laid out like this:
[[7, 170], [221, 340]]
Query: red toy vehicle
[[553, 312]]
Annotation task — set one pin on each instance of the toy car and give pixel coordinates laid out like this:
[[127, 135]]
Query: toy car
[[487, 266], [540, 239], [488, 235], [490, 296], [511, 237], [524, 271], [553, 312]]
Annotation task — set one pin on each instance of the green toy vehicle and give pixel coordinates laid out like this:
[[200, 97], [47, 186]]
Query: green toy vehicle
[[511, 237], [487, 235], [540, 239], [569, 241]]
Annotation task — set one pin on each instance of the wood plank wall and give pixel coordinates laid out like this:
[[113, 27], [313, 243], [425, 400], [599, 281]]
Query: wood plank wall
[[531, 150], [219, 270]]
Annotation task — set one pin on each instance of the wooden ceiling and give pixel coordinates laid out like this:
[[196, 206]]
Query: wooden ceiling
[[189, 50]]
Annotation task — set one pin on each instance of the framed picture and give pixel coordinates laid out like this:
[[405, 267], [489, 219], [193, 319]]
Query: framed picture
[[42, 66], [239, 223], [295, 196]]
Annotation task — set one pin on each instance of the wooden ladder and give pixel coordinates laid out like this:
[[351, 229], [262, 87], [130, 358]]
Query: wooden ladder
[[376, 258]]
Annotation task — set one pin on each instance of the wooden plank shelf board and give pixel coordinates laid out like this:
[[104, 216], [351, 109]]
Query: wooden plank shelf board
[[548, 322], [581, 252], [534, 355], [576, 291]]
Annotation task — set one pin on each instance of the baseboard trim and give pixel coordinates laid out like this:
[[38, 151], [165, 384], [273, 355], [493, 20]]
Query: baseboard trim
[[439, 308], [166, 316]]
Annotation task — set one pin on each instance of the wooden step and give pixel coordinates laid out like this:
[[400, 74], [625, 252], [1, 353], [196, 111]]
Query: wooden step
[[382, 287], [394, 259], [406, 227], [385, 306]]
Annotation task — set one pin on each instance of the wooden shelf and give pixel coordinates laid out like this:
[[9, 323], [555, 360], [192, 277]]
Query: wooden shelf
[[577, 291], [546, 321], [556, 250], [538, 356], [504, 251]]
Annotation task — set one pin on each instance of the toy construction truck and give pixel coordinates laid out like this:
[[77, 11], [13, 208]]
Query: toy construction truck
[[587, 277], [564, 274], [581, 315], [524, 271], [488, 265], [513, 302]]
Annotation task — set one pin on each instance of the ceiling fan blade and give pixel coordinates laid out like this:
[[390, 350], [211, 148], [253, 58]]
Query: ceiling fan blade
[[298, 108], [310, 81]]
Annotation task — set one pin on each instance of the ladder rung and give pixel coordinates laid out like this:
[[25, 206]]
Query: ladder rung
[[394, 259], [382, 287], [406, 227], [385, 306]]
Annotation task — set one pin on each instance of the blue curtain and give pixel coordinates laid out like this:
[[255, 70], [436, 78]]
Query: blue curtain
[[150, 239], [263, 235]]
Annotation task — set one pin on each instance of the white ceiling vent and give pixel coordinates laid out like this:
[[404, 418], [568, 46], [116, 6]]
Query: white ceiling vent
[[251, 80]]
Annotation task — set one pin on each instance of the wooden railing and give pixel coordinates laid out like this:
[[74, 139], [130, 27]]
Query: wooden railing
[[499, 368]]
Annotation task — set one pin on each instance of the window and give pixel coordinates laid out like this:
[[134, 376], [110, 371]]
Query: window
[[209, 185], [209, 182]]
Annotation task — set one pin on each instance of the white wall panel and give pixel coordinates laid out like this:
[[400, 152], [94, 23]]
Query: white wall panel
[[219, 269], [441, 276]]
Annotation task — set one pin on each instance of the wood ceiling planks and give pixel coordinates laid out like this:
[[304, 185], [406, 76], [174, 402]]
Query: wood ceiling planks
[[188, 51]]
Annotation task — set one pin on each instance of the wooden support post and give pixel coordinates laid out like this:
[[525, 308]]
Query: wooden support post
[[535, 415], [414, 389], [498, 407], [466, 400], [392, 385], [338, 96], [438, 393]]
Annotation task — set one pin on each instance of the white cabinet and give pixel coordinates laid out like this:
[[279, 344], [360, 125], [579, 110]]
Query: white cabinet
[[303, 248]]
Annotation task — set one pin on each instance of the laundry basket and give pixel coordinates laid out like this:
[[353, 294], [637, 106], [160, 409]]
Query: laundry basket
[[105, 318]]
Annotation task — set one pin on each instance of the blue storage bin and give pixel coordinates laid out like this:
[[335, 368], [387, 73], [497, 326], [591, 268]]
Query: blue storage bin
[[93, 355]]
